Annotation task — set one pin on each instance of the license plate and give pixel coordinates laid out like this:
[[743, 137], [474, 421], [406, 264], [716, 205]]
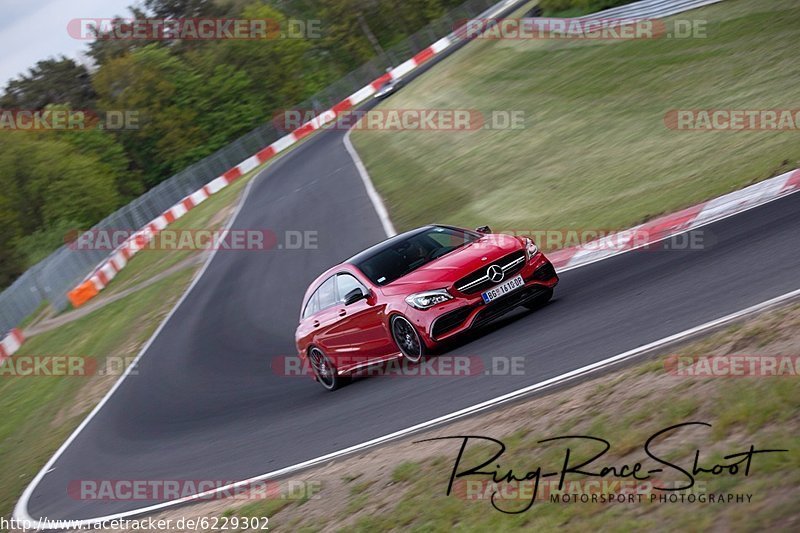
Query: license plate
[[503, 289]]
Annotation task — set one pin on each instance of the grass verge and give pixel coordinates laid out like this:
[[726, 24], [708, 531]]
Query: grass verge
[[40, 411], [402, 485], [594, 152]]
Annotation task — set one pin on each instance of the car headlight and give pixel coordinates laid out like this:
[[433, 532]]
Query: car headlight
[[530, 248], [427, 299]]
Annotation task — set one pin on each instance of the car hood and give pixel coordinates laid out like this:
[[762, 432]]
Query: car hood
[[446, 270]]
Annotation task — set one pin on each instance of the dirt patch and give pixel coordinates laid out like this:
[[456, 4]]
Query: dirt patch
[[94, 305]]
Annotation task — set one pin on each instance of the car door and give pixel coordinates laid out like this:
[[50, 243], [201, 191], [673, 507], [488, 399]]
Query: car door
[[326, 318], [360, 335]]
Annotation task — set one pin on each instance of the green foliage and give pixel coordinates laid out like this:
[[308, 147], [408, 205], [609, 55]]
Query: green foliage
[[52, 81], [72, 186], [552, 7], [270, 74], [38, 245], [48, 186], [191, 97], [347, 23], [160, 88], [11, 264]]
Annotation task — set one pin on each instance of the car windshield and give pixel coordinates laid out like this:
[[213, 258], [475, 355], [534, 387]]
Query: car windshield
[[395, 259]]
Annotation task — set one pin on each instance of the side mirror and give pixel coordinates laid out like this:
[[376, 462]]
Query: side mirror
[[484, 229], [354, 296]]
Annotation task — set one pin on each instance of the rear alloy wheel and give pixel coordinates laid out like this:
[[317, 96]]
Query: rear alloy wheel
[[407, 339], [540, 300], [324, 370]]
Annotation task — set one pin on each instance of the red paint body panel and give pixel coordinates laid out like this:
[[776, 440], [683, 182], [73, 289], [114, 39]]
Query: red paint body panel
[[358, 334]]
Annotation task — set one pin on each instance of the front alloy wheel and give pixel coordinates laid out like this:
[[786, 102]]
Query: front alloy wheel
[[324, 369], [407, 339]]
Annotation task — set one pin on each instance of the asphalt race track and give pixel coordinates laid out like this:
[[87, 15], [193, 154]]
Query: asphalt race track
[[206, 403]]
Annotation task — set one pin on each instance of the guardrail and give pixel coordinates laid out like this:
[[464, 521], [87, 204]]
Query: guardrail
[[51, 279], [36, 285]]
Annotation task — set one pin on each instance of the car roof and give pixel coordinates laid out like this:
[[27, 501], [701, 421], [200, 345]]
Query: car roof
[[368, 253]]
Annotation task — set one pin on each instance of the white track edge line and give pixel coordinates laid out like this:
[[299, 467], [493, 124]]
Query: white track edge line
[[21, 511], [374, 197], [519, 393], [21, 508]]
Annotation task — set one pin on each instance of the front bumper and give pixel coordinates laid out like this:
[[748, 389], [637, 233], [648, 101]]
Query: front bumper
[[465, 312]]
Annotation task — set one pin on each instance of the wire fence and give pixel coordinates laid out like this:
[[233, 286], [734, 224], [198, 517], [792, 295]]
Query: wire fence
[[51, 279]]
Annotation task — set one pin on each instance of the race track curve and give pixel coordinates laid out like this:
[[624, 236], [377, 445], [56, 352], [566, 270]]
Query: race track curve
[[206, 404]]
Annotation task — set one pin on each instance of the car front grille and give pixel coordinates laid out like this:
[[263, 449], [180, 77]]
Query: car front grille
[[479, 280]]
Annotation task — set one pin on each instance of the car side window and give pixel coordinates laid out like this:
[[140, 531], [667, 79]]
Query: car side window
[[347, 283], [312, 306], [327, 293]]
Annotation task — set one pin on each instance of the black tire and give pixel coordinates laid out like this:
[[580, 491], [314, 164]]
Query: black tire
[[407, 339], [539, 301], [324, 370]]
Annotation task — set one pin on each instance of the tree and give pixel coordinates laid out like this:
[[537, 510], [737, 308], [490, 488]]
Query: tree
[[106, 47], [102, 145], [182, 9], [47, 187], [161, 89], [51, 81], [11, 264], [73, 186], [277, 68]]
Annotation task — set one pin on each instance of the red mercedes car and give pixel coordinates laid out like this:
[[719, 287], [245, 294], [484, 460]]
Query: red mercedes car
[[403, 296]]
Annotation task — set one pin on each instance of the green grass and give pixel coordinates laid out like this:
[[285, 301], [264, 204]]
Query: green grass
[[405, 471], [33, 317], [263, 508], [626, 408], [33, 423], [424, 507], [37, 415], [595, 152]]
